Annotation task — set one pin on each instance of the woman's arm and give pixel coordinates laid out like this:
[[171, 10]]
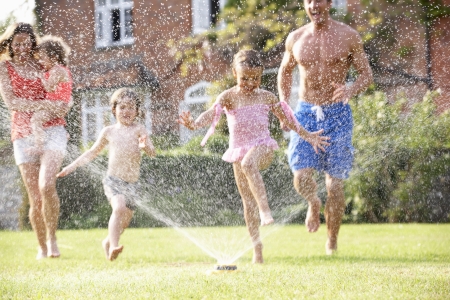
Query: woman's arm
[[87, 156], [19, 104]]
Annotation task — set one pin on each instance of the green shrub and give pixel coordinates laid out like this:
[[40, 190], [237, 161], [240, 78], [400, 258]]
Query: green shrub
[[400, 159]]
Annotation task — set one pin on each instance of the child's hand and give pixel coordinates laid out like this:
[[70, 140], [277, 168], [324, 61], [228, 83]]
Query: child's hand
[[186, 120], [142, 140], [66, 171], [317, 140]]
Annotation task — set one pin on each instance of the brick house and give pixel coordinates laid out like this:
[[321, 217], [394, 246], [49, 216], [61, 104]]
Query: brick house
[[119, 43]]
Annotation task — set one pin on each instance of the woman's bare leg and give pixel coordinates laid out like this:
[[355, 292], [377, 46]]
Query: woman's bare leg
[[119, 220], [258, 158], [50, 165], [250, 212], [30, 177]]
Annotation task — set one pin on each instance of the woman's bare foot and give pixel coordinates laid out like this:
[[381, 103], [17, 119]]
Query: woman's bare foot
[[257, 254], [42, 253], [114, 252], [266, 218], [52, 249], [105, 245], [312, 220], [330, 246]]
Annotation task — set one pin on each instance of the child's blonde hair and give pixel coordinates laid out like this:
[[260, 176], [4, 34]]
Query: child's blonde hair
[[55, 48], [127, 93], [247, 58]]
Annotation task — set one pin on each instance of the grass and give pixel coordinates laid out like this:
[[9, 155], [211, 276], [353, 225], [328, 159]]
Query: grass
[[397, 261]]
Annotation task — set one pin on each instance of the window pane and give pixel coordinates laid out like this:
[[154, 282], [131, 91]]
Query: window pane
[[128, 23], [114, 1], [101, 2], [115, 24], [100, 26], [91, 127], [127, 0]]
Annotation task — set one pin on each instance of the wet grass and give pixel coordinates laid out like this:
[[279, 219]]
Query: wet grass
[[397, 261]]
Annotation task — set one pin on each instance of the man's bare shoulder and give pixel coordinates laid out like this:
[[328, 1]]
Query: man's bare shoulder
[[344, 29], [295, 35]]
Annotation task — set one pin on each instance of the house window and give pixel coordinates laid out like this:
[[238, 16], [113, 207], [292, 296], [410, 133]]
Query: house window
[[205, 14], [113, 23], [340, 5]]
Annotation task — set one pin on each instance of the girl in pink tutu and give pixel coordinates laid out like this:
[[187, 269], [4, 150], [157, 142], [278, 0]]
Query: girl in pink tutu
[[251, 146]]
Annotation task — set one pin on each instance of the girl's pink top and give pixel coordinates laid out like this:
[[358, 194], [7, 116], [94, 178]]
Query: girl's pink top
[[248, 126], [31, 89], [63, 92]]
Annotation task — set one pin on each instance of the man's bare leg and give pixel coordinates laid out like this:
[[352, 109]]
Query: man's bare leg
[[306, 186], [250, 212], [50, 164], [119, 220], [334, 210], [30, 175]]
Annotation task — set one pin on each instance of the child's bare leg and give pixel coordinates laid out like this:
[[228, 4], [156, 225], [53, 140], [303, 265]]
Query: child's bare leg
[[306, 186], [119, 220], [258, 158], [105, 245], [250, 212], [50, 164], [334, 210], [30, 175]]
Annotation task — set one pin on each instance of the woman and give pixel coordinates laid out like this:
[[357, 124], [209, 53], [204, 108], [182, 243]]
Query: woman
[[23, 92]]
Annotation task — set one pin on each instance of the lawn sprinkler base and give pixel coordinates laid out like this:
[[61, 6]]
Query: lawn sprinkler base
[[219, 269]]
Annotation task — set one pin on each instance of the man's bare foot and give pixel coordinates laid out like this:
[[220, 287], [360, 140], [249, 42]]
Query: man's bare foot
[[266, 218], [52, 249], [257, 254], [330, 246], [105, 245], [312, 220], [114, 252], [41, 254]]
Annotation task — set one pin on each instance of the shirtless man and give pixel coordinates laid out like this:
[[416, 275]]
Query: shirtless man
[[324, 50], [126, 139]]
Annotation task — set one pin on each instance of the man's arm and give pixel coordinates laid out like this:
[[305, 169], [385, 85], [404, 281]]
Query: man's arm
[[20, 104], [361, 65], [286, 69]]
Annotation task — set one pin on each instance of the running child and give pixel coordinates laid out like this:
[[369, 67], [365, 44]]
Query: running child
[[57, 81], [251, 148], [126, 139]]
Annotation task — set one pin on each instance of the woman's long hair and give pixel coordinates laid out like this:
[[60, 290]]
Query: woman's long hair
[[8, 36]]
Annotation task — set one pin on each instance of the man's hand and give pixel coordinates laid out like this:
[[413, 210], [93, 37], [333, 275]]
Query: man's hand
[[341, 93]]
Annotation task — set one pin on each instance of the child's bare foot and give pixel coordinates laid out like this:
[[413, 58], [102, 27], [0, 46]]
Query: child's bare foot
[[52, 249], [266, 218], [257, 254], [105, 245], [42, 253], [114, 252], [330, 246], [312, 221]]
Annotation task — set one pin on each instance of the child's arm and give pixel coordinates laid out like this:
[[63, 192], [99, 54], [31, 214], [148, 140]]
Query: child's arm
[[205, 119], [57, 75], [86, 156], [146, 144], [20, 104], [286, 116]]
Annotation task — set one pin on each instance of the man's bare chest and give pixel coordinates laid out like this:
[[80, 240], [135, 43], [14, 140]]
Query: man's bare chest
[[310, 52]]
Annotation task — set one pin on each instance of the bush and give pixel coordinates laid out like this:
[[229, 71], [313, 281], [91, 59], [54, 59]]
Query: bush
[[401, 159]]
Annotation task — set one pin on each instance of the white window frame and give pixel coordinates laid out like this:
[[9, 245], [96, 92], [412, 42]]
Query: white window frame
[[340, 5], [103, 24], [99, 111], [201, 11], [186, 134]]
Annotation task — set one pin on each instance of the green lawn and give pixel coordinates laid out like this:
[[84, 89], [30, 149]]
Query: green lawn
[[397, 261]]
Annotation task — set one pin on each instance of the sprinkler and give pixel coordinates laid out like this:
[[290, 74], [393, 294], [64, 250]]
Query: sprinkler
[[218, 269]]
